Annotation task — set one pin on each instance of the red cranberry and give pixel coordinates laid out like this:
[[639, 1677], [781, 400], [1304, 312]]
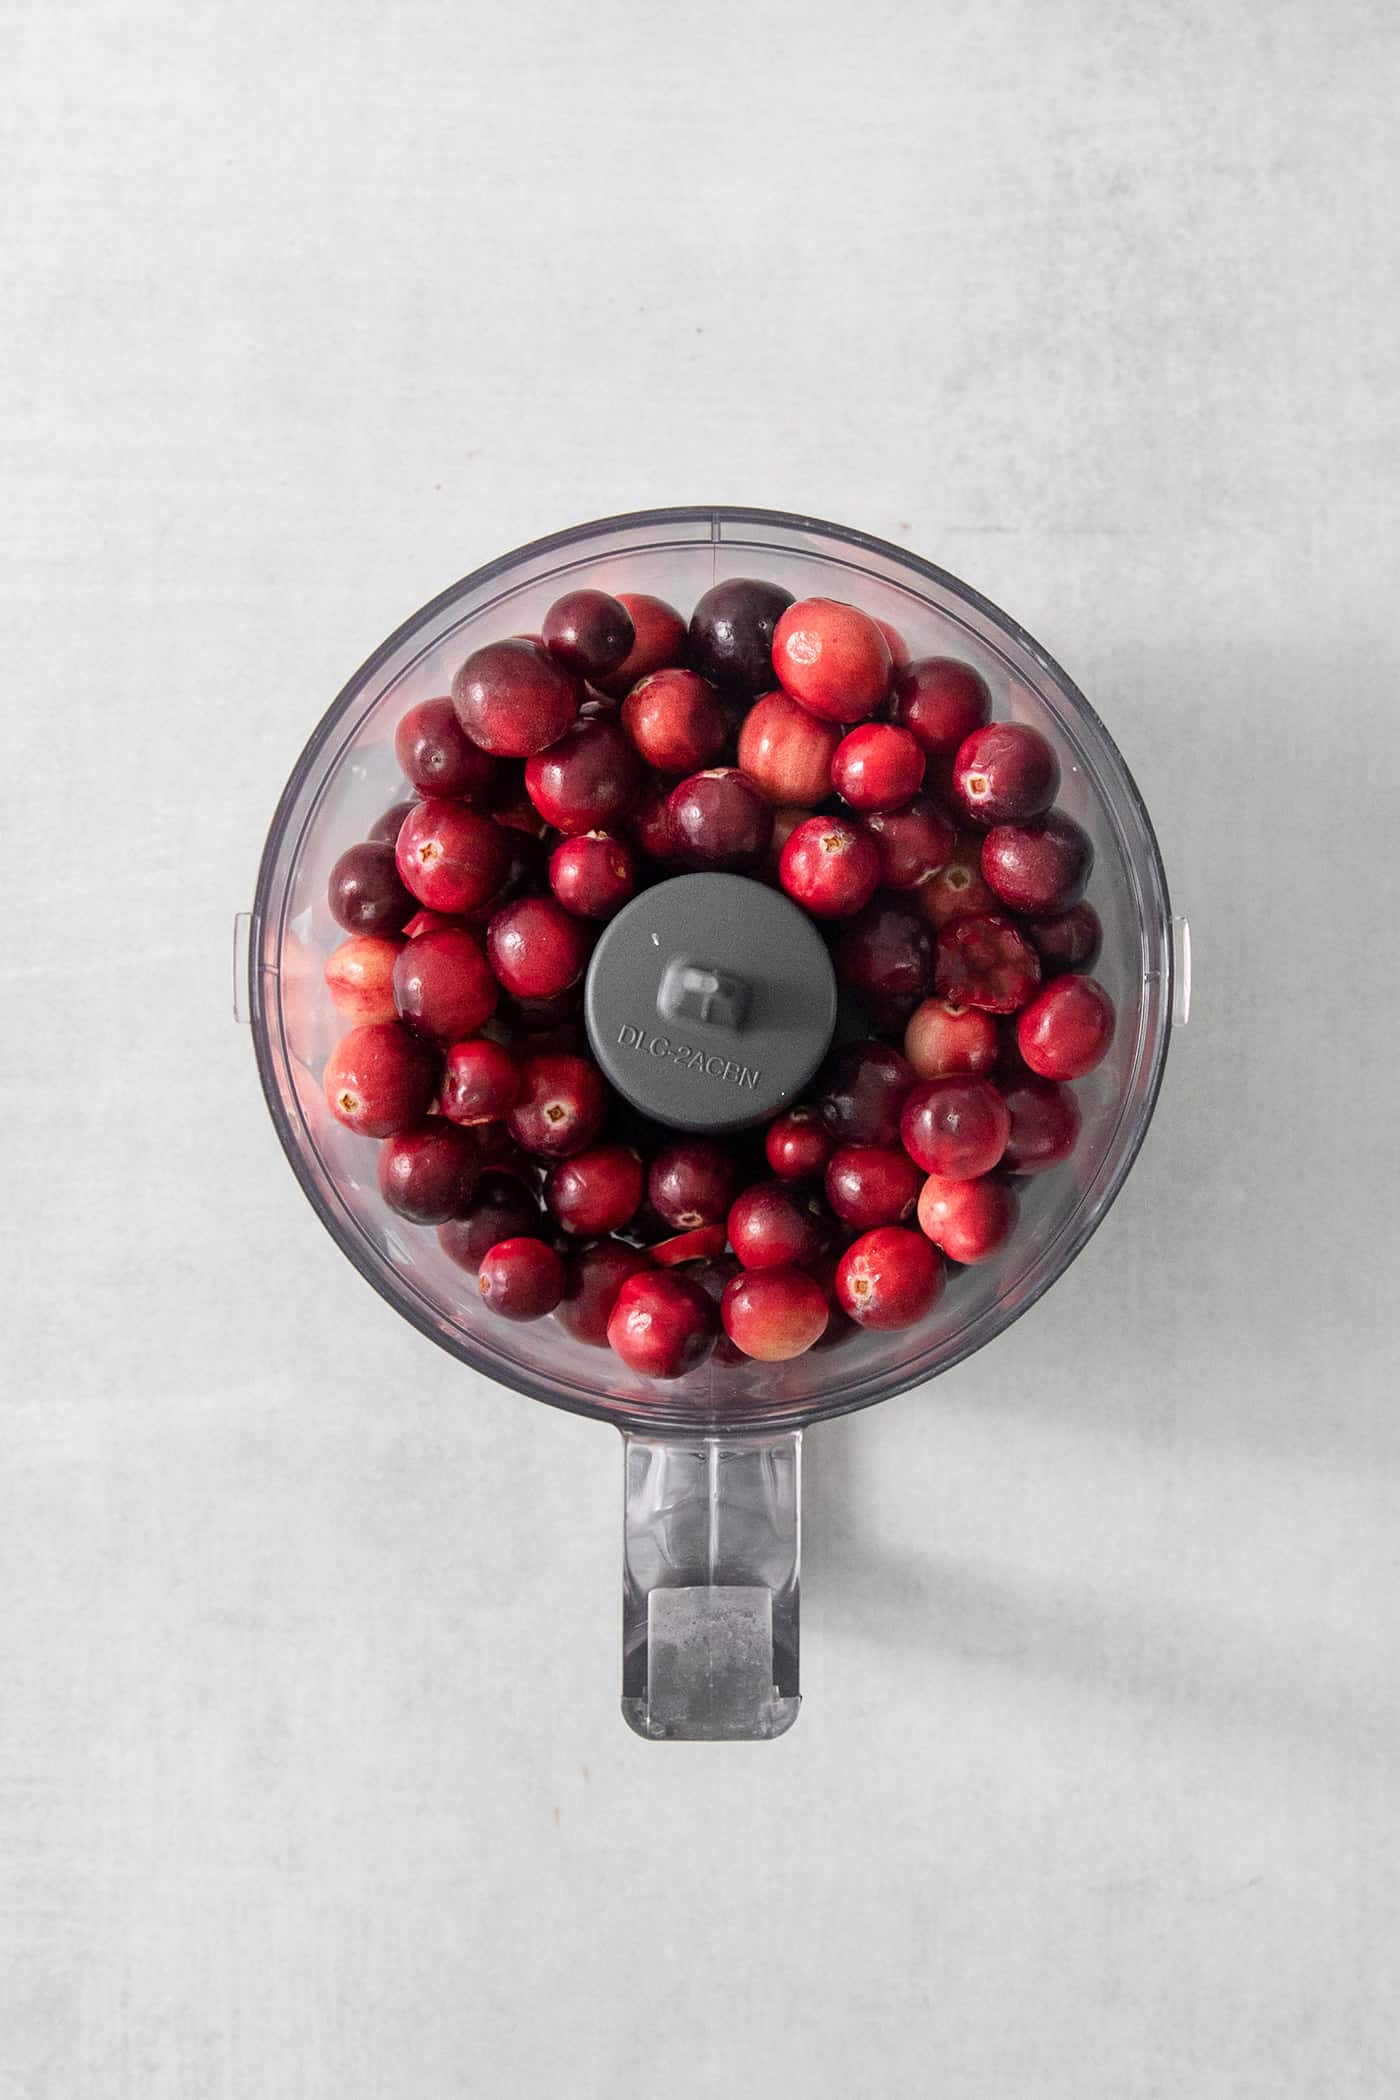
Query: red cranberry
[[863, 1088], [940, 701], [796, 1145], [894, 642], [385, 829], [428, 1173], [451, 857], [969, 1220], [1040, 867], [560, 1107], [731, 632], [720, 820], [512, 698], [380, 1079], [943, 1038], [587, 780], [1005, 773], [957, 890], [436, 754], [877, 767], [593, 1277], [430, 922], [829, 867], [479, 1082], [360, 977], [1067, 1031], [986, 962], [774, 1314], [597, 1190], [913, 843], [537, 950], [869, 1185], [501, 1208], [700, 1244], [662, 1324], [1069, 941], [521, 1279], [659, 640], [833, 658], [651, 824], [956, 1126], [787, 752], [675, 720], [1045, 1124], [889, 1278], [773, 1223], [365, 892], [691, 1182], [593, 876], [588, 632], [443, 986], [885, 954]]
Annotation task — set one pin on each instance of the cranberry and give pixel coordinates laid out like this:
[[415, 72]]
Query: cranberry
[[360, 977], [732, 629], [870, 1185], [943, 1038], [913, 843], [796, 1145], [1069, 941], [380, 1079], [720, 820], [521, 1279], [586, 780], [443, 986], [940, 701], [428, 1173], [863, 1090], [1045, 1124], [957, 890], [675, 720], [451, 857], [692, 1182], [597, 1190], [430, 922], [436, 754], [885, 954], [1067, 1031], [365, 892], [501, 1208], [593, 1277], [1005, 773], [512, 698], [889, 1278], [537, 950], [829, 867], [700, 1244], [593, 876], [480, 1082], [560, 1107], [833, 658], [662, 1325], [1040, 867], [894, 642], [787, 752], [986, 962], [877, 767], [589, 633], [385, 829], [651, 824], [969, 1220], [773, 1223], [956, 1126], [498, 1150], [774, 1314]]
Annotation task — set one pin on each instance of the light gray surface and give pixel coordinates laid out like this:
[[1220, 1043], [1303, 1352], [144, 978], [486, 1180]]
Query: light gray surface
[[312, 1781]]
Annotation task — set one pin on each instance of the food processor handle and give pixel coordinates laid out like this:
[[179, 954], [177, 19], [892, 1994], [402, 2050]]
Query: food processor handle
[[710, 1587]]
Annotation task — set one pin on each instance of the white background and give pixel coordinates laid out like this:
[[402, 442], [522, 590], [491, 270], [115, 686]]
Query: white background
[[312, 1780]]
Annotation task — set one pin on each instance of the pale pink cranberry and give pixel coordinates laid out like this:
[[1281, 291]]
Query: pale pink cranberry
[[956, 890], [360, 977], [1069, 941], [443, 985], [832, 658], [428, 1172], [877, 767], [830, 867], [986, 962], [521, 1279], [913, 843], [436, 754], [593, 1277], [587, 780], [797, 1145], [773, 1224], [598, 1190], [593, 876], [480, 1082], [940, 701], [787, 752], [1045, 1122], [1040, 867], [560, 1107], [536, 948], [1066, 1032], [380, 1079], [889, 1278], [659, 640], [589, 633], [662, 1325], [773, 1315], [870, 1185], [956, 1126], [1006, 773], [449, 856], [943, 1038], [675, 720], [969, 1220], [512, 698], [500, 1208]]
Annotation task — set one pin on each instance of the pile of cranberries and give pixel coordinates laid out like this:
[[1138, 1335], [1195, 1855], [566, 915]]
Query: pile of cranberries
[[794, 742]]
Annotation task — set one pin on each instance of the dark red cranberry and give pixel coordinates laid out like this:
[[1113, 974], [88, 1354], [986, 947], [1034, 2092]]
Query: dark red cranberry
[[877, 767], [833, 658], [889, 1278], [380, 1079], [885, 954], [587, 780], [588, 632], [480, 1082], [956, 1126], [731, 632], [1039, 867], [536, 949], [360, 977], [593, 1277], [913, 843], [797, 1146], [537, 1027], [1045, 1123], [1066, 1032], [1005, 773], [774, 1314], [385, 829], [428, 1173], [956, 890], [719, 819], [692, 1182], [498, 1151], [501, 1208], [521, 1279], [943, 1038], [365, 892], [660, 640], [651, 825], [969, 1220], [437, 755], [451, 857], [700, 1244], [593, 876], [443, 985], [861, 1093], [870, 1185], [986, 962], [512, 698], [774, 1223], [675, 720], [662, 1324], [787, 752], [520, 815], [1069, 941], [560, 1107], [940, 701], [830, 867], [598, 1190]]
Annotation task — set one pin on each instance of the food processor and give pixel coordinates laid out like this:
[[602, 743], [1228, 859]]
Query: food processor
[[712, 1459]]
